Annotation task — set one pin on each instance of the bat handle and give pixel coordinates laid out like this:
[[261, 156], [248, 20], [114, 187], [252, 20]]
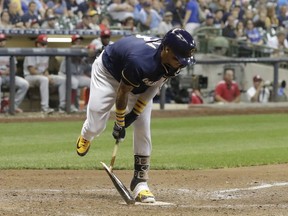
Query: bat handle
[[114, 155]]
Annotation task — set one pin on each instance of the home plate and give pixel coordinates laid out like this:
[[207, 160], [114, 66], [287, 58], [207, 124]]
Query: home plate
[[157, 203]]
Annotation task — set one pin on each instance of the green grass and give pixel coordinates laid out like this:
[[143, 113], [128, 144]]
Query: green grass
[[178, 143]]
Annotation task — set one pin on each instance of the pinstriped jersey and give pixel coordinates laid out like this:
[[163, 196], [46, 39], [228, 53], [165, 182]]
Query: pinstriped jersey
[[136, 60]]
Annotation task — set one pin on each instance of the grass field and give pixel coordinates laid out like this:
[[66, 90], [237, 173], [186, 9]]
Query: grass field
[[178, 143]]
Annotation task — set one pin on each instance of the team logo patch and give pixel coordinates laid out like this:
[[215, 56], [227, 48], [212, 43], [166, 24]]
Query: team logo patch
[[149, 82]]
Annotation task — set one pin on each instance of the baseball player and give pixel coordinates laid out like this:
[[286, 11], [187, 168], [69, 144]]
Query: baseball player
[[37, 74], [21, 84], [103, 41], [129, 74]]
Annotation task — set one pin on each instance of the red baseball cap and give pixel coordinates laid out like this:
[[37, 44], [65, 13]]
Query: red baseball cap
[[2, 37], [43, 39], [76, 37], [257, 78], [105, 33]]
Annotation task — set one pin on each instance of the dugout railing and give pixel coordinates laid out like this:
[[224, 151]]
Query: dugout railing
[[68, 53], [17, 52]]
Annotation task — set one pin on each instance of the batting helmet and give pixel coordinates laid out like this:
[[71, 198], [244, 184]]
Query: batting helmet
[[182, 44]]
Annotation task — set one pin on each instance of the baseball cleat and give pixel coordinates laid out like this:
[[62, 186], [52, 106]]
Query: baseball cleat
[[83, 146], [143, 194]]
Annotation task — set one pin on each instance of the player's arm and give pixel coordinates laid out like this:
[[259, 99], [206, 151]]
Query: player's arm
[[121, 104], [143, 99]]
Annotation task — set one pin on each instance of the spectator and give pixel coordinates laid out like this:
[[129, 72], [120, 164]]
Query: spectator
[[149, 18], [271, 19], [16, 6], [36, 73], [29, 17], [166, 24], [120, 11], [191, 19], [75, 9], [137, 6], [85, 23], [5, 20], [40, 7], [227, 90], [158, 6], [50, 23], [48, 12], [177, 7], [283, 16], [94, 20], [104, 40], [59, 7], [258, 92], [15, 15], [21, 84], [253, 34], [260, 22], [218, 19], [203, 10], [240, 31], [279, 43], [209, 21], [104, 23], [196, 97], [129, 24], [79, 79], [229, 29]]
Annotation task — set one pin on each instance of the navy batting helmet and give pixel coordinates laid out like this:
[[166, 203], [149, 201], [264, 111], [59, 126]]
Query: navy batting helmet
[[182, 44]]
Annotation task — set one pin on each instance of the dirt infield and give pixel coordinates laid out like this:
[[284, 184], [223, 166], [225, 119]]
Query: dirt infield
[[253, 191]]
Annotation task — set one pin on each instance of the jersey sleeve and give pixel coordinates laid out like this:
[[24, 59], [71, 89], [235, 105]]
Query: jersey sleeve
[[132, 75]]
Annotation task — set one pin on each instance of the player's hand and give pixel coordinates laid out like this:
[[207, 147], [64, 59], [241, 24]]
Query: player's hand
[[130, 118], [118, 132]]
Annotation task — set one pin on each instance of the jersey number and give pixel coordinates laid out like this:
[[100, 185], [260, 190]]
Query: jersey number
[[152, 42]]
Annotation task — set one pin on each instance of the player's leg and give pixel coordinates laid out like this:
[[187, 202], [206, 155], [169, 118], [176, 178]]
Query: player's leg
[[102, 97], [142, 152], [60, 82], [22, 87], [43, 83]]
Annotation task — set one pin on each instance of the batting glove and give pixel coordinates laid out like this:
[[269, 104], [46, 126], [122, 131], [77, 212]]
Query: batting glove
[[118, 132], [130, 118]]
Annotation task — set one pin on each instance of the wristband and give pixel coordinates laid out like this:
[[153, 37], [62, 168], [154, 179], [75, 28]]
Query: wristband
[[120, 117], [139, 106]]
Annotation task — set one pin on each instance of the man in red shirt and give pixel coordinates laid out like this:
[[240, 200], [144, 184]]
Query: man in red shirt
[[227, 90]]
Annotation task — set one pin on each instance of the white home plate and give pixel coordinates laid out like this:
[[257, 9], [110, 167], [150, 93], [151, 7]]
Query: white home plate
[[157, 203]]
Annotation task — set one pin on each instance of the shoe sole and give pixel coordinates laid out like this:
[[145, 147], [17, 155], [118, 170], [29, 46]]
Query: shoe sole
[[84, 153], [147, 200]]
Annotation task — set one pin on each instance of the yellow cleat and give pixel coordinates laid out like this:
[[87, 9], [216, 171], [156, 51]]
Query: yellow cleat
[[83, 146], [145, 196]]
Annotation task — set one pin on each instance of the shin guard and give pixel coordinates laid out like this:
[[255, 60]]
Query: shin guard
[[141, 168]]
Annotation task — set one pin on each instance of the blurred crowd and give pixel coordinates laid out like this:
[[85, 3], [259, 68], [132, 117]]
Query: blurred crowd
[[256, 22]]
